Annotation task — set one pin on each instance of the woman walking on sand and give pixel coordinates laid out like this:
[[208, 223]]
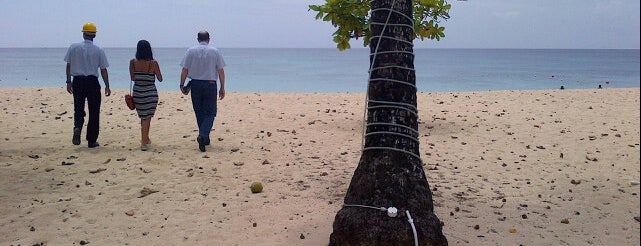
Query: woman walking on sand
[[144, 71]]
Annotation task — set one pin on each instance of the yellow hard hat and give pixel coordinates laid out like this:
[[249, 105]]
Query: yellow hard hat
[[89, 27]]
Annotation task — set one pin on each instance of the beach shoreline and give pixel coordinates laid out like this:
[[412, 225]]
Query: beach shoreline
[[536, 167]]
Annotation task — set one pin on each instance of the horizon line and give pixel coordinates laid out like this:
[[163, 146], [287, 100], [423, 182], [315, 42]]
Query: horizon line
[[357, 48]]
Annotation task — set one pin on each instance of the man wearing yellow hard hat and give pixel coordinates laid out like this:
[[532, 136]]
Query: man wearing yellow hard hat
[[85, 62]]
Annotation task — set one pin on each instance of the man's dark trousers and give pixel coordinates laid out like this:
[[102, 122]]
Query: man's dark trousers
[[203, 99], [87, 88]]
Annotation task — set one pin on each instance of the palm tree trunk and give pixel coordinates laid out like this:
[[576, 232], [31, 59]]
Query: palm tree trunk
[[390, 172]]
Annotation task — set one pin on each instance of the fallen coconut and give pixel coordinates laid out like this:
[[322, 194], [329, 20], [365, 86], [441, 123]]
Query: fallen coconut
[[256, 187]]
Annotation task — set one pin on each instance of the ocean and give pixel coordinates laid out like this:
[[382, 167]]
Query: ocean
[[330, 70]]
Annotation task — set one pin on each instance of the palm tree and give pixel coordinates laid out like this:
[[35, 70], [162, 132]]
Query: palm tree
[[389, 201]]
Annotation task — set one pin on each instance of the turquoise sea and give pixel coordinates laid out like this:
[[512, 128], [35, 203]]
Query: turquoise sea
[[330, 70]]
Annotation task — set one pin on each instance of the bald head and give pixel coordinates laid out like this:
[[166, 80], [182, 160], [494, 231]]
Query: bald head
[[203, 36]]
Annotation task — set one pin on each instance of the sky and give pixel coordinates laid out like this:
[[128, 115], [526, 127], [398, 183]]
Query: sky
[[533, 24]]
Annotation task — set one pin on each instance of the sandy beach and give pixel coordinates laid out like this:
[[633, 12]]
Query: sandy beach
[[557, 167]]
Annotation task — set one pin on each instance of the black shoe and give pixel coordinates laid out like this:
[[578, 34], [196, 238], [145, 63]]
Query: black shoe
[[201, 143], [93, 145], [76, 136]]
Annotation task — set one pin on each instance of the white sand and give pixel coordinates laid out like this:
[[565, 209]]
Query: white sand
[[493, 159]]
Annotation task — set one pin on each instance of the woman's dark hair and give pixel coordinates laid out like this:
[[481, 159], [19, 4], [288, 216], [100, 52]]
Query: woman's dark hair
[[143, 51]]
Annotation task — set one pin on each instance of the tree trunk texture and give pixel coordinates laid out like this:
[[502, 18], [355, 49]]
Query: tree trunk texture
[[389, 178]]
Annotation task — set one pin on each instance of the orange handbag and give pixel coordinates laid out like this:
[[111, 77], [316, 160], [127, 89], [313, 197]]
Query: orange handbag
[[129, 99]]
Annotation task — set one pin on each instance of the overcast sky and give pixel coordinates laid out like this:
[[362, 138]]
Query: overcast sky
[[581, 24]]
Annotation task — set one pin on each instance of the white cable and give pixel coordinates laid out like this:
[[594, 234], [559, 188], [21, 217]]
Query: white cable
[[388, 67], [364, 206], [406, 105], [395, 125], [395, 11], [389, 16], [389, 106], [396, 51], [392, 133], [393, 38], [374, 56], [390, 24], [391, 212], [394, 81], [409, 219], [394, 149], [411, 108]]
